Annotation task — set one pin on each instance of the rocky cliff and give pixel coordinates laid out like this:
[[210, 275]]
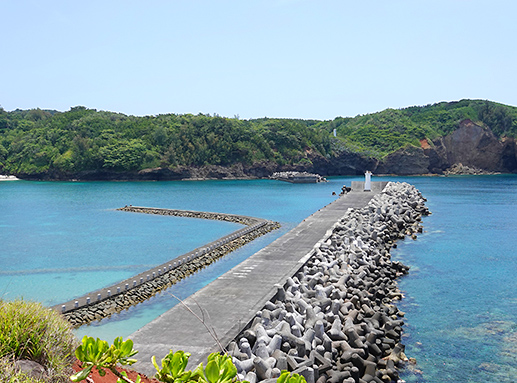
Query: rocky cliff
[[472, 145]]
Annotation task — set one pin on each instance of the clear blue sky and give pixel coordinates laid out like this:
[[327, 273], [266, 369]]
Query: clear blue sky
[[254, 58]]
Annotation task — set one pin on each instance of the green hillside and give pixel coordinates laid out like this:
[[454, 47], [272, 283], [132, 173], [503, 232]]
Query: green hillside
[[381, 133], [34, 142]]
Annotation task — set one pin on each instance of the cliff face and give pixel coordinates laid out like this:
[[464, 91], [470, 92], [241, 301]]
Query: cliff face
[[345, 163], [474, 145], [405, 161], [471, 145]]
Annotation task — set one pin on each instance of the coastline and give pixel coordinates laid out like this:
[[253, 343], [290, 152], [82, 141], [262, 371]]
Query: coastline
[[221, 174]]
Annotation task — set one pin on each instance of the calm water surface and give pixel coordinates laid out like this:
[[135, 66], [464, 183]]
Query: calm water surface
[[63, 239], [461, 292]]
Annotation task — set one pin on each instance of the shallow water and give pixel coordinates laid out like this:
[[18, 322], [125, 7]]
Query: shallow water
[[461, 292], [63, 239]]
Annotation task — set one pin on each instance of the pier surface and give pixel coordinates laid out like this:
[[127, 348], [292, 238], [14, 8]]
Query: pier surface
[[232, 300]]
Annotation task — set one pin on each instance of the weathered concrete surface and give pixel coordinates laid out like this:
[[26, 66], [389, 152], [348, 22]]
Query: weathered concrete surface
[[232, 300]]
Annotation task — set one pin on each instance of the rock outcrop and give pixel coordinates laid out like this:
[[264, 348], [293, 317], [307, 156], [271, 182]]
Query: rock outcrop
[[405, 161], [472, 145], [343, 164], [460, 169]]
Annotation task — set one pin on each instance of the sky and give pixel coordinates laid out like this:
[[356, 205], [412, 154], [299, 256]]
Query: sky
[[310, 59]]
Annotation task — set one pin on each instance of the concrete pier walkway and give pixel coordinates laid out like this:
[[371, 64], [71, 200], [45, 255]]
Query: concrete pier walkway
[[230, 302]]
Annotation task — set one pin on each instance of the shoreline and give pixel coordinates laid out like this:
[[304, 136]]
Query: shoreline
[[231, 178]]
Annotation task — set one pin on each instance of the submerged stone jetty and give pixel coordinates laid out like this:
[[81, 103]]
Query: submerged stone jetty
[[335, 320], [297, 177], [102, 303]]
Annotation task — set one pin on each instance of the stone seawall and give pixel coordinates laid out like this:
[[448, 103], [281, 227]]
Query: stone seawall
[[242, 219], [107, 301], [335, 320]]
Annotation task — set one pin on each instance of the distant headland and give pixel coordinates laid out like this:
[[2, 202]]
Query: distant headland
[[463, 137]]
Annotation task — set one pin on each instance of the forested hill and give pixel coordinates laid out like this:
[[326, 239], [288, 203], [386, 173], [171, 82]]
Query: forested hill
[[382, 133], [84, 143]]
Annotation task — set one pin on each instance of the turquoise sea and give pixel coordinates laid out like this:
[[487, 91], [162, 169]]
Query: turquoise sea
[[59, 240]]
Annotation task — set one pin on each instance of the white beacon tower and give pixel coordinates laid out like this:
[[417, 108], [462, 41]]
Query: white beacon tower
[[368, 181]]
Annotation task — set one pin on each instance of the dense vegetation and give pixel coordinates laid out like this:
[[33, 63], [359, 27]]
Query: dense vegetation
[[386, 131], [81, 139], [39, 141]]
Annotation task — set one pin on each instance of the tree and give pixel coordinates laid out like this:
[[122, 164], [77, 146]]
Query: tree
[[124, 155]]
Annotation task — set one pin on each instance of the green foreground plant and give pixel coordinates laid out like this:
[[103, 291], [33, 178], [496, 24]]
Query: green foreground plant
[[30, 331], [97, 353], [219, 367]]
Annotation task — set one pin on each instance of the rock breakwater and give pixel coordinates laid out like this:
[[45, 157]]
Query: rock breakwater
[[103, 303], [297, 177], [242, 219], [335, 320], [460, 169]]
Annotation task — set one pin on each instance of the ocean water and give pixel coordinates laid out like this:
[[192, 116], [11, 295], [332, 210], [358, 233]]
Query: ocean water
[[59, 240], [461, 291]]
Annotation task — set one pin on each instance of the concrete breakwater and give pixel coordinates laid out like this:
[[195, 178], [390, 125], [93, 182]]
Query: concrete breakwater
[[335, 320], [107, 301]]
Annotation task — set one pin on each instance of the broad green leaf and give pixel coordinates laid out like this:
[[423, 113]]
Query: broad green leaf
[[127, 347], [283, 377], [212, 371], [117, 341], [81, 375], [80, 354], [230, 371]]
